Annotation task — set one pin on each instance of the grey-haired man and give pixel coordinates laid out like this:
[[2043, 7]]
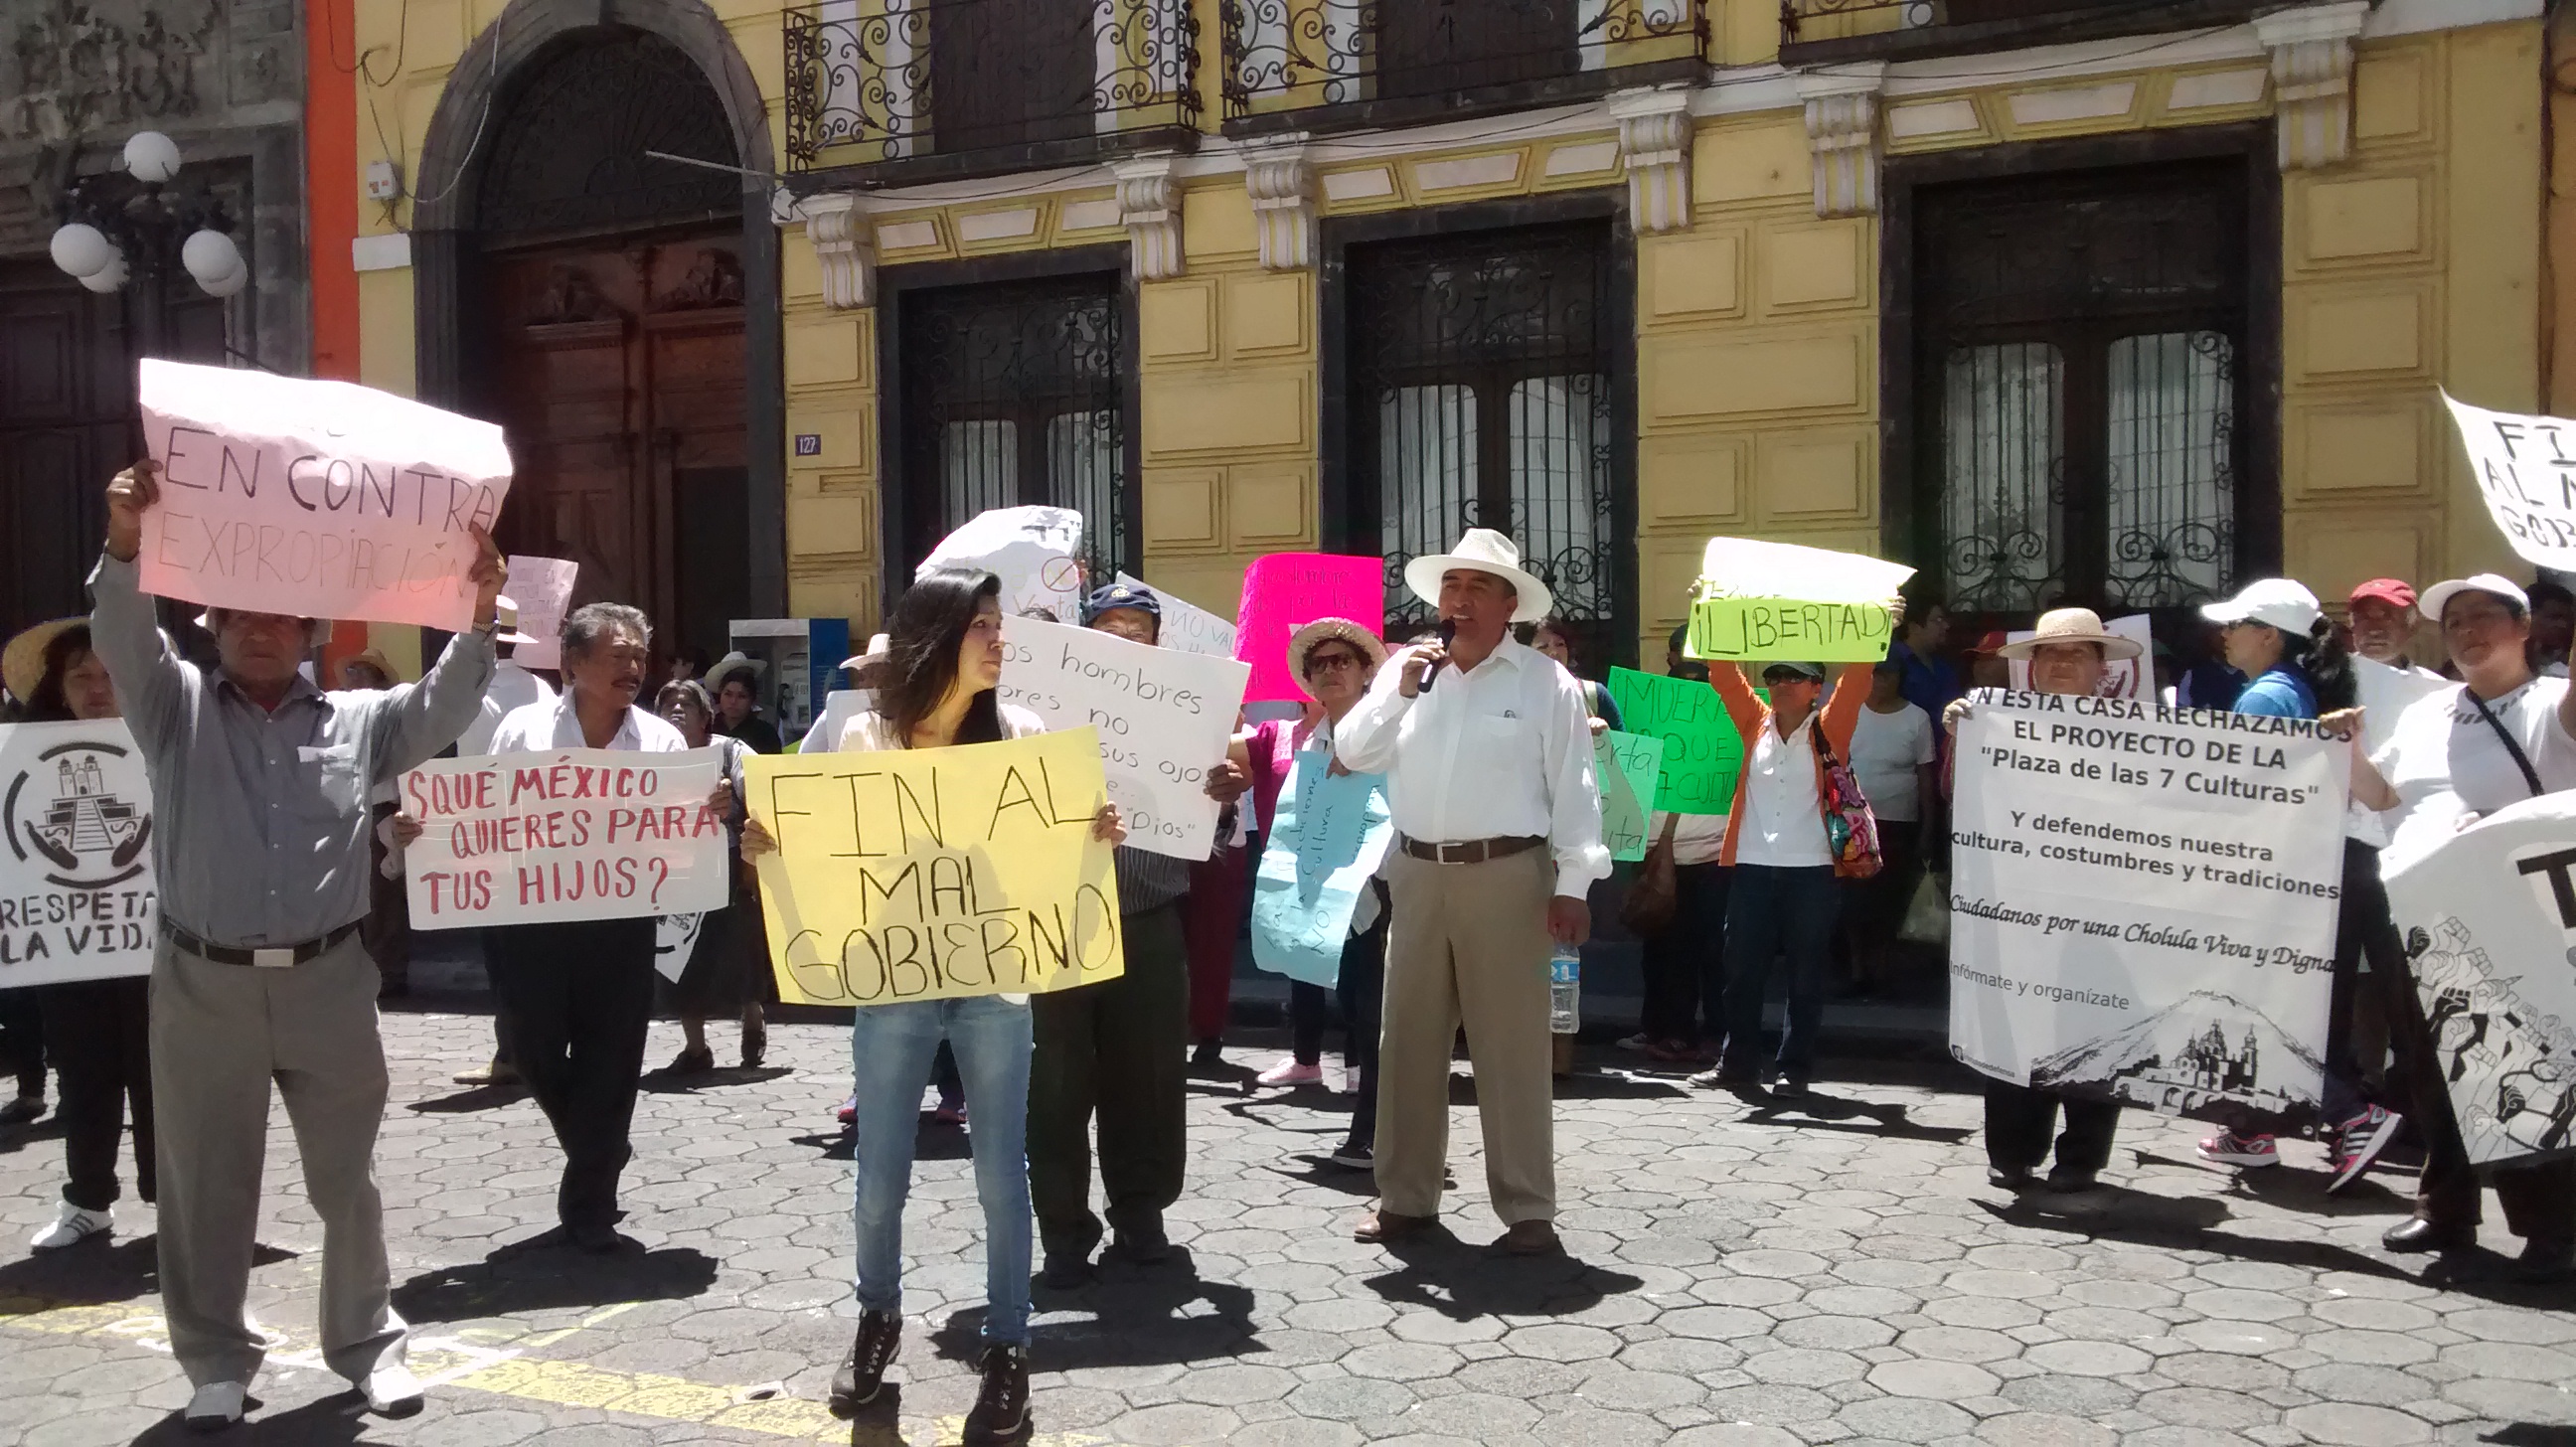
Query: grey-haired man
[[260, 785]]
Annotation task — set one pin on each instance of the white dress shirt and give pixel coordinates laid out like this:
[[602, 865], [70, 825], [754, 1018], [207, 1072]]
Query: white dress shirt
[[1502, 751], [549, 725], [512, 688], [1784, 821]]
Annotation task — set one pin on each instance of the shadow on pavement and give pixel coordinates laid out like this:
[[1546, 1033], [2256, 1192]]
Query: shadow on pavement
[[1136, 1319], [527, 1276], [479, 1097], [97, 1272], [1463, 1281], [1818, 1111], [666, 1082], [932, 1140], [332, 1421]]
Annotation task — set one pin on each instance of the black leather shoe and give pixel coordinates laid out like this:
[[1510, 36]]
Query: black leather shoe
[[862, 1376], [2415, 1235], [1065, 1271], [2543, 1262], [1144, 1245], [1001, 1410]]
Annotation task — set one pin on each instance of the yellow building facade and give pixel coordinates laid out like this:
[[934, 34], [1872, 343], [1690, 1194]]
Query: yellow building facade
[[1810, 320]]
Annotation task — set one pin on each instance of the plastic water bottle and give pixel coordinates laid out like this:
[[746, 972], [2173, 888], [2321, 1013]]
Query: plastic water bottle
[[1565, 991]]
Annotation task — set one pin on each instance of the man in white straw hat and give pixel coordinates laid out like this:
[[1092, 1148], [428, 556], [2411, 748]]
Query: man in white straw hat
[[1498, 839]]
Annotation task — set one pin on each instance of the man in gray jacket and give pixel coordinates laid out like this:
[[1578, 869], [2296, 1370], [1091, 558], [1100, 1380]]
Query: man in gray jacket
[[260, 787]]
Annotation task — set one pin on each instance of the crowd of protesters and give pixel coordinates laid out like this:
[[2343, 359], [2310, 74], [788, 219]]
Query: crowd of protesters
[[1480, 736]]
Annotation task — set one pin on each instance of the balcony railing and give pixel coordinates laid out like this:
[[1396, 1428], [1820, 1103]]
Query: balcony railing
[[923, 88], [1308, 64], [1815, 31]]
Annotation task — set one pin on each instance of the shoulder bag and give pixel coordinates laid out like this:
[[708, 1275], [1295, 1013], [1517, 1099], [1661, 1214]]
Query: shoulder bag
[[2512, 745], [1648, 907], [1851, 829]]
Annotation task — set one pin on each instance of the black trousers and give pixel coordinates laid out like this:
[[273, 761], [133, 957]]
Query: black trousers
[[100, 1034], [577, 999], [22, 1040], [1685, 963], [1115, 1049], [2020, 1119], [1363, 992]]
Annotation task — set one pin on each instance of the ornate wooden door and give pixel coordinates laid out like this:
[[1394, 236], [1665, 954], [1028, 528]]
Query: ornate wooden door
[[617, 371]]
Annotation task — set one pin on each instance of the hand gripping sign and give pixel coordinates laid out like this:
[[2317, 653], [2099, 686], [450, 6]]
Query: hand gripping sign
[[929, 874], [314, 499], [571, 834]]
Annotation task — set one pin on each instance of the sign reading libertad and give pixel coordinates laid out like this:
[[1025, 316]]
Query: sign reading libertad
[[313, 498]]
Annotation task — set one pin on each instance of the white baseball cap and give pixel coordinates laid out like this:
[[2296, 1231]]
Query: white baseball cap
[[2440, 594], [2280, 602]]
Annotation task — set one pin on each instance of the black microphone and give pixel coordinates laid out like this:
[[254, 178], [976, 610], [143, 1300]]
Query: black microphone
[[1448, 631]]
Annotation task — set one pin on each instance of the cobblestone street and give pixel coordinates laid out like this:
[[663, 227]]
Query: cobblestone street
[[1740, 1274]]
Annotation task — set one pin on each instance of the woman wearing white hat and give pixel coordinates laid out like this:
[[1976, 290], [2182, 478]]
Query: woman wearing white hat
[[2274, 633], [2502, 735], [2068, 650]]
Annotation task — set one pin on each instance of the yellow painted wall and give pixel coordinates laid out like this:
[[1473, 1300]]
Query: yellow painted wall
[[2415, 265]]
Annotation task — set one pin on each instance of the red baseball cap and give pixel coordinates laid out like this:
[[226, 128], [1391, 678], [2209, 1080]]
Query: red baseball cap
[[1992, 642], [2392, 591]]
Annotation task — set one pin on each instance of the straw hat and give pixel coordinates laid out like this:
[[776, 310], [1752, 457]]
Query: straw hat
[[374, 657], [22, 665], [2072, 625], [734, 659], [1485, 551], [1305, 640], [879, 645]]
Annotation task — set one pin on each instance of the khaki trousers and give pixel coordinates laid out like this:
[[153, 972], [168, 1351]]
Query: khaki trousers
[[220, 1035], [1468, 944]]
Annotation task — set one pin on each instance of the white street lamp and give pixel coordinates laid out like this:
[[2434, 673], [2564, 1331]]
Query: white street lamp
[[151, 157], [209, 256], [81, 249], [107, 278]]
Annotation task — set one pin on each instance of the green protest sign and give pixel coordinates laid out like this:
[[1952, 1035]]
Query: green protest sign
[[1627, 766], [1702, 754], [1764, 628]]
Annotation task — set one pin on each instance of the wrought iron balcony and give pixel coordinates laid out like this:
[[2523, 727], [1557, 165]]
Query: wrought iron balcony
[[1326, 64], [1822, 31], [917, 89]]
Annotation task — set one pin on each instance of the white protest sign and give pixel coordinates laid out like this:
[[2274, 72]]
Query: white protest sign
[[1031, 549], [2489, 921], [675, 939], [542, 589], [570, 834], [1752, 568], [313, 498], [2143, 900], [2525, 466], [1165, 718], [77, 892], [2121, 677], [1187, 627]]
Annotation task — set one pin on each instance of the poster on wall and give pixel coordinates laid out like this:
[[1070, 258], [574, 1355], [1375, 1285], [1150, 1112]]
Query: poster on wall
[[2488, 918], [2143, 901]]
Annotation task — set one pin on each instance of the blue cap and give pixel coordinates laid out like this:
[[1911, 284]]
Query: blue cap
[[1122, 595]]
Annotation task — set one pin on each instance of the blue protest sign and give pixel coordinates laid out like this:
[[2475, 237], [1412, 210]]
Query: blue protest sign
[[1327, 835]]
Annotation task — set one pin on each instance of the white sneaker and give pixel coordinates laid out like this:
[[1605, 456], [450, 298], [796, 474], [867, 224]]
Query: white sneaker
[[1291, 1072], [71, 1226], [392, 1391], [216, 1406]]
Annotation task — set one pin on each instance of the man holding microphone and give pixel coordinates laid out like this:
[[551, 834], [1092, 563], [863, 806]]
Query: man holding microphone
[[260, 788], [1498, 840]]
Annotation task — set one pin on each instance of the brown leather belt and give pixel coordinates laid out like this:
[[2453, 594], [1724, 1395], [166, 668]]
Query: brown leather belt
[[1473, 851], [281, 958]]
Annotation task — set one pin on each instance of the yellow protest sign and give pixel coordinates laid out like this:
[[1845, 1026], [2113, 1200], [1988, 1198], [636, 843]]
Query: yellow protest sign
[[928, 874]]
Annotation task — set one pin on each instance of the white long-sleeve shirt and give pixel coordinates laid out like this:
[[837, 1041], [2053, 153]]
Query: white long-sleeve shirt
[[551, 724], [1503, 751], [511, 688]]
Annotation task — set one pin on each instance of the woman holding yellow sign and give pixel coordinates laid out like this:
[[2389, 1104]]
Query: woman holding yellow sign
[[936, 689]]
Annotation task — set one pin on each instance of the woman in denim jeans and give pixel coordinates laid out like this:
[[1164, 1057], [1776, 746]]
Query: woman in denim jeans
[[935, 690]]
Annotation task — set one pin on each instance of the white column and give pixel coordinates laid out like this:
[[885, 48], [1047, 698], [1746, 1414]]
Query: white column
[[1654, 145], [2312, 79], [1842, 135]]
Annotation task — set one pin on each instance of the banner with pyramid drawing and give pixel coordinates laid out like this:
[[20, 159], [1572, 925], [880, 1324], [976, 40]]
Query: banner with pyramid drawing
[[2489, 921], [77, 892], [2143, 901]]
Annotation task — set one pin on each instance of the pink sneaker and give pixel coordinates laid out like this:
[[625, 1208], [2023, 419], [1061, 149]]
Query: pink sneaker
[[1290, 1072], [2230, 1149], [2359, 1141]]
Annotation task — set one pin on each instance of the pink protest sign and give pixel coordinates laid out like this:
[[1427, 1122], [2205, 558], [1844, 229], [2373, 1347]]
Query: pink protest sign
[[1284, 592], [542, 589], [315, 498]]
